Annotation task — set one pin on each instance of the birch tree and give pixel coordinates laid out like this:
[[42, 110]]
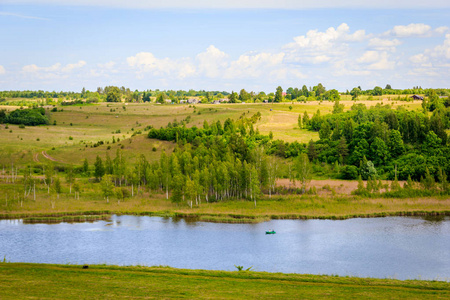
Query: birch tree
[[303, 170]]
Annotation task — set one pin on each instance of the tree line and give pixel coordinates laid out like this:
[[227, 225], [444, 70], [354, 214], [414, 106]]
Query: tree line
[[303, 94]]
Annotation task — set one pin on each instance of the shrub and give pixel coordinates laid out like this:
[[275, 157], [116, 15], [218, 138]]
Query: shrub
[[30, 117], [349, 172]]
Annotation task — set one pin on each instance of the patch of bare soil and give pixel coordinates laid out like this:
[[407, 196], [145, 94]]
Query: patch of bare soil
[[325, 186]]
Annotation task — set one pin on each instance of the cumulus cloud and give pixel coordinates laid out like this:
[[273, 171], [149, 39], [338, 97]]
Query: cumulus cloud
[[438, 56], [254, 65], [319, 47], [322, 41], [384, 44], [410, 30], [442, 51], [54, 68], [442, 29], [70, 67], [320, 59], [105, 69], [2, 70], [109, 65], [212, 62], [56, 71], [419, 59], [375, 60], [146, 62], [369, 57]]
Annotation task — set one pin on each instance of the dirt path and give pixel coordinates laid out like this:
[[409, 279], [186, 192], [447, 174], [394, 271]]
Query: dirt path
[[49, 157], [36, 157]]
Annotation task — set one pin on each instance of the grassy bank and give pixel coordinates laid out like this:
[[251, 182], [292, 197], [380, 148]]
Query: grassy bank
[[239, 211], [20, 281]]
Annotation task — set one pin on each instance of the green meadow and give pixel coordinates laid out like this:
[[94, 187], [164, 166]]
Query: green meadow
[[41, 281]]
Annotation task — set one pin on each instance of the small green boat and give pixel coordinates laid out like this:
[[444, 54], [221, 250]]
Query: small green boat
[[270, 232]]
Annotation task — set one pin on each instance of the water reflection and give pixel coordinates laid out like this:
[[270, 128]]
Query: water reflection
[[400, 247]]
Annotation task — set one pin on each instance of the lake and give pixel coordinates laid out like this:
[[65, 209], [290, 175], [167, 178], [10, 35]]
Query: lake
[[392, 247]]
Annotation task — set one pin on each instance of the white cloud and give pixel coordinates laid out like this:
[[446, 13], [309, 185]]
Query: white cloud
[[438, 56], [70, 67], [423, 72], [369, 57], [34, 69], [233, 4], [442, 29], [212, 62], [419, 59], [323, 47], [383, 44], [376, 60], [105, 69], [410, 30], [254, 65], [322, 41], [56, 71], [320, 59], [54, 68], [2, 70], [109, 65], [442, 52], [146, 62]]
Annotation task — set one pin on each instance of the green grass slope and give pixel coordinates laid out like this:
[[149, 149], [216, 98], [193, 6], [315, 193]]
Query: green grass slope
[[36, 281]]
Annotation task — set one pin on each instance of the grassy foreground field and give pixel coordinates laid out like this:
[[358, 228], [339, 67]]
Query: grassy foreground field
[[24, 281]]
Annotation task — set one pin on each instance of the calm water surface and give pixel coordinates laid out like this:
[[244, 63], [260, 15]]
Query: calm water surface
[[395, 247]]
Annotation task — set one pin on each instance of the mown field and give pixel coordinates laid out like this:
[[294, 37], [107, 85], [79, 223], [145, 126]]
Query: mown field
[[40, 281]]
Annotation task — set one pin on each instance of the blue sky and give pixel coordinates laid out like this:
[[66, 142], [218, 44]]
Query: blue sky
[[226, 45]]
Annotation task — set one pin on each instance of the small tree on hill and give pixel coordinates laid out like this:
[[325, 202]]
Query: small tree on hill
[[303, 170], [99, 168], [278, 95], [107, 187], [113, 94], [57, 187]]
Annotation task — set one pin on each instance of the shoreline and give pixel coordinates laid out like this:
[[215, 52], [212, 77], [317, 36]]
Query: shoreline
[[86, 216]]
